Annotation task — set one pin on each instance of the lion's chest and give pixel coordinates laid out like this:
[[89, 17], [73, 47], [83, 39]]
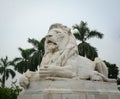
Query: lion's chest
[[51, 58]]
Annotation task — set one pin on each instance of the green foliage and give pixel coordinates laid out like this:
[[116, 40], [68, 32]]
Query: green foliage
[[113, 70], [118, 81], [31, 58], [25, 53], [10, 93], [5, 70], [36, 57], [23, 63], [85, 49], [83, 33]]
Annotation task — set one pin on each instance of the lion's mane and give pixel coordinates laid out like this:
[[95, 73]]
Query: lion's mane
[[63, 53]]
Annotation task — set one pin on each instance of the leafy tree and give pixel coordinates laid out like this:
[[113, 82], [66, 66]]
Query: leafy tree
[[112, 70], [118, 81], [5, 70], [10, 93], [85, 49], [38, 53], [31, 57], [0, 82], [82, 34], [22, 64]]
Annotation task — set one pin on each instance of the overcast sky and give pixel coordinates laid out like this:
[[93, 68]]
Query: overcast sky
[[23, 19]]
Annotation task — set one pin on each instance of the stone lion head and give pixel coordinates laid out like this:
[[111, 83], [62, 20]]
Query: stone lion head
[[58, 38], [59, 44]]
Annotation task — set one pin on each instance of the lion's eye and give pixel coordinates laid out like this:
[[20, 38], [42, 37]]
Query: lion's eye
[[57, 32]]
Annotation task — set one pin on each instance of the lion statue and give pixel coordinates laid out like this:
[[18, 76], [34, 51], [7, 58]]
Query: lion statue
[[61, 59]]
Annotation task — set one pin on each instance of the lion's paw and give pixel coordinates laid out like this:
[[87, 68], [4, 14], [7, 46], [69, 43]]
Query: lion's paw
[[96, 78], [24, 82]]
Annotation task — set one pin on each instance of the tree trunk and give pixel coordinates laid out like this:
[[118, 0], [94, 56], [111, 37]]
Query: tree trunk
[[3, 80]]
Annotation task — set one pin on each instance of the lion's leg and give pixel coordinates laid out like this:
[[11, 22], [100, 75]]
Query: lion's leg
[[106, 78], [24, 82], [101, 67], [27, 77], [57, 71], [96, 76]]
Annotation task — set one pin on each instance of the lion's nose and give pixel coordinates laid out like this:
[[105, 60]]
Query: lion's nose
[[49, 36]]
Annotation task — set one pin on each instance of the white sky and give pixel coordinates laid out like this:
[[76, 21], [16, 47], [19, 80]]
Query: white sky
[[21, 19]]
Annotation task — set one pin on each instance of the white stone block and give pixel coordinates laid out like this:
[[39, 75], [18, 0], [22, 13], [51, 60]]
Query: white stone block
[[114, 96], [71, 89], [26, 97], [56, 96], [70, 96], [91, 96], [38, 96], [82, 96]]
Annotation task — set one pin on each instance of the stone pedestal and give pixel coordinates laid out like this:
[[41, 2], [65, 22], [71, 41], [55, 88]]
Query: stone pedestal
[[71, 89]]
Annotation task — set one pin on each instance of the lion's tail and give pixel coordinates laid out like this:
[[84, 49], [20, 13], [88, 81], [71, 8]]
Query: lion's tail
[[106, 78]]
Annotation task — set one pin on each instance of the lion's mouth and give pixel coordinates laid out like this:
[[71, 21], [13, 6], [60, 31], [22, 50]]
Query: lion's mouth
[[51, 42]]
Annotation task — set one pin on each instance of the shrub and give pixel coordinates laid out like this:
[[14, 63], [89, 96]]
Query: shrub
[[10, 93]]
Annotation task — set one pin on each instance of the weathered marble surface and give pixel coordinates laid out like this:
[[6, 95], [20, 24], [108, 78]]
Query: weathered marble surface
[[71, 89], [61, 59], [63, 74]]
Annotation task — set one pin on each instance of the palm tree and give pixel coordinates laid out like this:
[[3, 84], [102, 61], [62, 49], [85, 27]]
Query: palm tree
[[31, 58], [82, 34], [113, 70], [22, 64], [5, 70], [38, 47]]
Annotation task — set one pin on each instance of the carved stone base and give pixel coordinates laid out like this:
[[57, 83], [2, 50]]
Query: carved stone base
[[70, 89]]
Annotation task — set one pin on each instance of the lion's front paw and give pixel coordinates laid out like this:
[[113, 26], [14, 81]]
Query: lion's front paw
[[96, 78], [24, 82]]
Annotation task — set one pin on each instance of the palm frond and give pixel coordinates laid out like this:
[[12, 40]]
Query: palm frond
[[12, 73], [76, 27], [1, 70], [26, 52], [95, 33], [3, 61], [22, 66], [34, 42], [16, 60], [77, 36], [41, 44], [82, 30], [86, 50], [9, 71]]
